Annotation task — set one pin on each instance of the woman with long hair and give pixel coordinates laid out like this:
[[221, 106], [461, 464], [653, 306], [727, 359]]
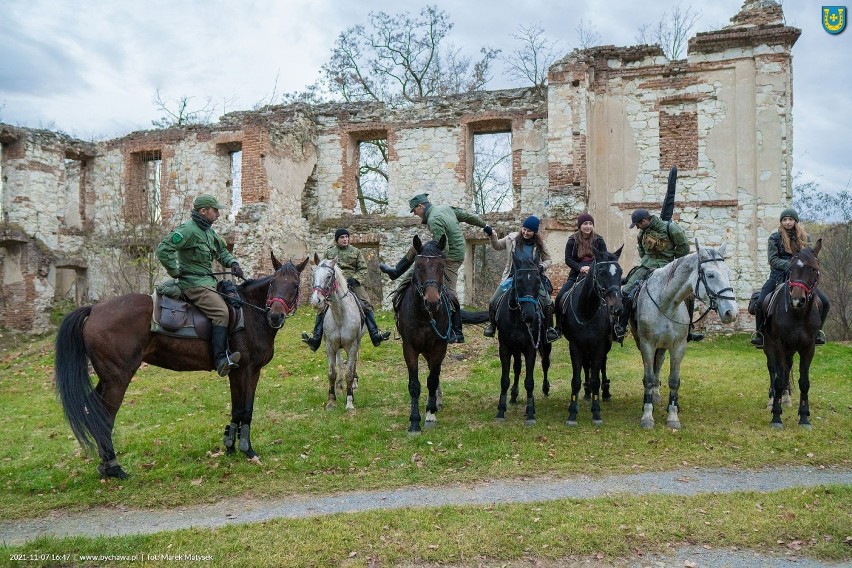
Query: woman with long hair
[[789, 239]]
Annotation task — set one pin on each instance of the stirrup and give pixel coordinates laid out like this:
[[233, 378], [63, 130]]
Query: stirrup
[[691, 336], [313, 342], [226, 363], [379, 337], [757, 339], [552, 334], [456, 337], [489, 330], [820, 338]]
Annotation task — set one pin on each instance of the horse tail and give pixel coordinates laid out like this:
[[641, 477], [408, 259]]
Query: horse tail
[[474, 317], [82, 405]]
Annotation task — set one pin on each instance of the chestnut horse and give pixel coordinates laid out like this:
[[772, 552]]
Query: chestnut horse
[[116, 337]]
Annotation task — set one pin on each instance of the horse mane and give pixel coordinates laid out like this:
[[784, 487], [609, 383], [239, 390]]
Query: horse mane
[[338, 273], [249, 285], [431, 248], [807, 256]]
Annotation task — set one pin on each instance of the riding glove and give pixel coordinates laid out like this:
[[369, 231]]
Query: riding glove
[[237, 271]]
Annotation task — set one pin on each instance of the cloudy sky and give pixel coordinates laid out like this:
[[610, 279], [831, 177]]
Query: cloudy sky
[[91, 68]]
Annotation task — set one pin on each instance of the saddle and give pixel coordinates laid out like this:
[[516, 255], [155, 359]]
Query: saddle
[[179, 318]]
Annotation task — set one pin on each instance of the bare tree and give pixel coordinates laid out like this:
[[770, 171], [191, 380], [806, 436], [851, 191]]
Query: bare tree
[[492, 173], [587, 35], [672, 32], [533, 59], [373, 176], [831, 218], [400, 58], [178, 112]]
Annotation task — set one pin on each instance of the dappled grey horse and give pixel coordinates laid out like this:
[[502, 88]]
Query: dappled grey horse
[[343, 326], [662, 320]]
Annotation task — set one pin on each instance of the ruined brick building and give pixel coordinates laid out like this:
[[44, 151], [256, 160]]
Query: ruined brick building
[[600, 138]]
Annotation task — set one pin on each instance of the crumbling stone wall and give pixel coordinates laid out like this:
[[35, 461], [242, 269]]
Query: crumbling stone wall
[[600, 138]]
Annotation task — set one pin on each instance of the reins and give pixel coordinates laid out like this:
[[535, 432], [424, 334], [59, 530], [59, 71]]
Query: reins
[[599, 291], [421, 290]]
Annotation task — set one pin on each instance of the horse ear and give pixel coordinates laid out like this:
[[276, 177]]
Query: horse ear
[[301, 266], [418, 245], [817, 246], [697, 248], [275, 264], [443, 241], [316, 259], [618, 252], [721, 250]]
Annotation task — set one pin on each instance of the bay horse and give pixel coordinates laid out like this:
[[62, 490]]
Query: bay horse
[[792, 321], [116, 337], [521, 332], [343, 327], [586, 321], [661, 321], [422, 314]]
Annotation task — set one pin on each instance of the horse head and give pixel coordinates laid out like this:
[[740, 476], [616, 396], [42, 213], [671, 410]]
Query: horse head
[[606, 275], [713, 284], [804, 276], [526, 283], [328, 281], [429, 271], [282, 297]]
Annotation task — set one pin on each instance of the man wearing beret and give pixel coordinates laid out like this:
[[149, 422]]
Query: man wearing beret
[[351, 261], [187, 253], [441, 220], [659, 242]]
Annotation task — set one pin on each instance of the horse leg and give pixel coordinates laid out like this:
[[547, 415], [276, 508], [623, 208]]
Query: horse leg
[[505, 360], [649, 381], [413, 389], [677, 352], [351, 363], [781, 373], [577, 370], [545, 366], [529, 384], [111, 393], [595, 387], [659, 359], [331, 403], [805, 358], [243, 386], [432, 382], [770, 367], [516, 358]]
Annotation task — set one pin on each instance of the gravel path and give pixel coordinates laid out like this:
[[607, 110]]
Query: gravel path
[[115, 522]]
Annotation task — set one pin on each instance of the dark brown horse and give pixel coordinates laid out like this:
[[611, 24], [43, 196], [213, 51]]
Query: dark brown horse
[[422, 313], [793, 320], [116, 337]]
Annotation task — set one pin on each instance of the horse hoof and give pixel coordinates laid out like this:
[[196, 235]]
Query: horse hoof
[[806, 426], [330, 405], [113, 471], [776, 425], [500, 419], [647, 424], [230, 450], [597, 422], [674, 425], [786, 400], [414, 432], [571, 423], [606, 396], [529, 421], [587, 397]]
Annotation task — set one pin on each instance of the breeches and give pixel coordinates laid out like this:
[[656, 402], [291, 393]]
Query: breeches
[[210, 303], [636, 275], [362, 296]]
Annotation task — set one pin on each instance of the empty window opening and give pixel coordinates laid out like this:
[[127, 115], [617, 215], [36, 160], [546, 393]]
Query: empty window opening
[[372, 176], [236, 180], [74, 193], [152, 164], [492, 172]]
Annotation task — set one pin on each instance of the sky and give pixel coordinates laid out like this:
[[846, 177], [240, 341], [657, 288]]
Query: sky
[[91, 68]]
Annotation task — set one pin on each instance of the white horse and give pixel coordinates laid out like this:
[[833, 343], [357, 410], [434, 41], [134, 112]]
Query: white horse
[[343, 327], [662, 319]]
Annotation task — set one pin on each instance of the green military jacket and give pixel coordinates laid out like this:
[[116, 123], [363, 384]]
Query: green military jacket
[[351, 261], [660, 243], [188, 253], [444, 220]]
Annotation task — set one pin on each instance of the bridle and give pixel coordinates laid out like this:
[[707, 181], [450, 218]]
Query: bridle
[[328, 290], [808, 288], [598, 288], [421, 288], [271, 300], [713, 295], [528, 298]]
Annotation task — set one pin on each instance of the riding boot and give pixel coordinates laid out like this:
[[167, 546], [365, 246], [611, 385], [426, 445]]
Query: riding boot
[[224, 361], [456, 335], [619, 327], [691, 335], [398, 271], [315, 338], [376, 336], [491, 328], [757, 336], [820, 336], [551, 334]]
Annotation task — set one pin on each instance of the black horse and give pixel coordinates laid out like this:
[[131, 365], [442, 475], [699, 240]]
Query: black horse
[[792, 322], [422, 311], [585, 317], [116, 337], [520, 333]]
